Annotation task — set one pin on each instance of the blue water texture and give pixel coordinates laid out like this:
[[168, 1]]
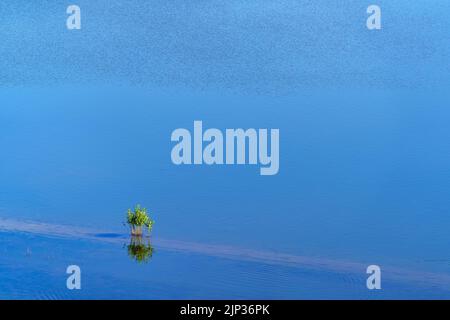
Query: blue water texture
[[86, 118]]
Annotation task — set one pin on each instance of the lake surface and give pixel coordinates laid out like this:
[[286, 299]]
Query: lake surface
[[85, 123]]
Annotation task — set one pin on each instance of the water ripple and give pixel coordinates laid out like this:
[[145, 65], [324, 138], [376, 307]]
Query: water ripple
[[348, 269]]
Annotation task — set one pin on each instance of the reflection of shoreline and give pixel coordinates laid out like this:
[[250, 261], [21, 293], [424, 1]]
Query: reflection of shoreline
[[234, 253]]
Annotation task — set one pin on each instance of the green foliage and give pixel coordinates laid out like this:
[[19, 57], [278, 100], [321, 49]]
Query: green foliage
[[140, 251], [138, 219]]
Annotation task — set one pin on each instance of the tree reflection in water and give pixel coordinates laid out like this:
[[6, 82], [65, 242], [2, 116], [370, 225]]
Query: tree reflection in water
[[140, 249]]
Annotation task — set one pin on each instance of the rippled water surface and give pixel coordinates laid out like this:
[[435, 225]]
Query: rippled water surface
[[85, 124]]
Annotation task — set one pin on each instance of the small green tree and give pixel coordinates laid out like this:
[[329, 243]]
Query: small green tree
[[138, 219]]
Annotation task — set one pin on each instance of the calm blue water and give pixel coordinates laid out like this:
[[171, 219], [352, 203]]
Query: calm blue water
[[85, 124]]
